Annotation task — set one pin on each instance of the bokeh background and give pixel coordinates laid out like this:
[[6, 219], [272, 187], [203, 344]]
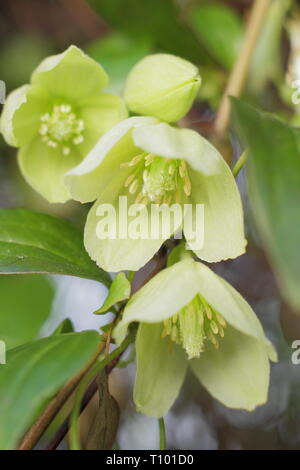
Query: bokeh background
[[118, 33]]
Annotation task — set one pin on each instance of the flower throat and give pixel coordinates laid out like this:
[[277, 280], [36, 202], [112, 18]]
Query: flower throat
[[194, 325], [157, 179], [61, 128]]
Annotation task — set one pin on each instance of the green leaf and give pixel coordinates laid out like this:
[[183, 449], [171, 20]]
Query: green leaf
[[66, 326], [105, 426], [31, 242], [33, 375], [274, 188], [118, 53], [155, 20], [119, 290], [220, 29], [25, 306]]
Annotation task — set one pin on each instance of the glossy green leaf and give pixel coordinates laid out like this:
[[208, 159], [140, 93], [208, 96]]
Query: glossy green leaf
[[33, 375], [274, 190], [220, 29], [119, 290], [32, 242], [24, 307], [156, 20]]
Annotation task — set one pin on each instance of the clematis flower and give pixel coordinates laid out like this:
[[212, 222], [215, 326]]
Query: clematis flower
[[154, 164], [190, 317], [58, 118], [163, 86]]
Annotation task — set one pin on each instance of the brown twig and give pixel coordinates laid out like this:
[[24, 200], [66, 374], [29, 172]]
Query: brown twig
[[64, 429], [90, 392], [62, 432], [42, 423], [239, 73]]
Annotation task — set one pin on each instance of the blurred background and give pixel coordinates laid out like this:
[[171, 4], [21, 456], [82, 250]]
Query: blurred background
[[118, 33]]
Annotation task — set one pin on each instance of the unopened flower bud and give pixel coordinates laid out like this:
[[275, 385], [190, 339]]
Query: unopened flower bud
[[163, 86]]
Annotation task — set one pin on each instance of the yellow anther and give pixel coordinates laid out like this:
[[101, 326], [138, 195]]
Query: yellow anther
[[136, 159], [129, 180], [221, 332], [214, 327], [171, 169], [212, 338], [182, 168], [208, 312], [149, 159], [221, 320], [133, 187], [187, 185]]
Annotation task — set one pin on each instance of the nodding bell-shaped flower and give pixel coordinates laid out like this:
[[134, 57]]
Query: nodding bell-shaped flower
[[190, 317], [58, 118], [157, 166], [163, 86]]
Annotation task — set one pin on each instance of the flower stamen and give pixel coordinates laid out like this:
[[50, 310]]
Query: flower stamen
[[61, 127], [194, 325], [162, 179], [133, 187]]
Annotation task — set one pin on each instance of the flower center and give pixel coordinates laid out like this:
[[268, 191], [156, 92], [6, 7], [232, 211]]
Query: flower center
[[194, 325], [61, 128], [157, 179]]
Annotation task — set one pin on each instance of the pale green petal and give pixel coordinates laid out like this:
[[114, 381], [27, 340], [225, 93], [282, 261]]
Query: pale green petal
[[27, 119], [88, 180], [71, 76], [213, 185], [161, 368], [231, 305], [119, 252], [236, 374], [13, 102], [162, 85], [161, 297], [224, 236], [100, 113], [44, 167], [167, 141]]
